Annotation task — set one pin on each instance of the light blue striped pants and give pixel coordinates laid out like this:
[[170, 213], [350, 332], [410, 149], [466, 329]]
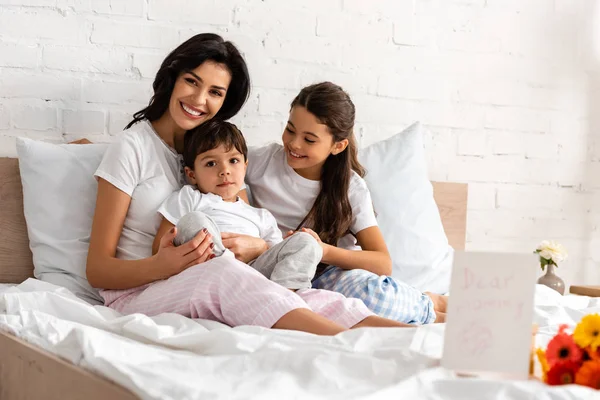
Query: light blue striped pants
[[384, 295]]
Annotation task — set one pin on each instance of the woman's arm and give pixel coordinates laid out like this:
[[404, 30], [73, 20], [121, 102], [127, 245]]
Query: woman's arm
[[106, 271], [165, 226], [373, 257], [103, 269]]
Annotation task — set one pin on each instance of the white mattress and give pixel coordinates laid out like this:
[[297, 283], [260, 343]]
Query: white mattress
[[172, 357]]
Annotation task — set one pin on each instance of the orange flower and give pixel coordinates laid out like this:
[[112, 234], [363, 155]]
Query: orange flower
[[591, 355], [561, 348], [562, 373], [589, 374]]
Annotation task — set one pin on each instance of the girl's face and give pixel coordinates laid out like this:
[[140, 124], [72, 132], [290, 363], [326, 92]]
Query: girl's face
[[199, 94], [308, 143]]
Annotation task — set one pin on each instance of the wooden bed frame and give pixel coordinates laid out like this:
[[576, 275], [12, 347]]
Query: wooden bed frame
[[27, 372]]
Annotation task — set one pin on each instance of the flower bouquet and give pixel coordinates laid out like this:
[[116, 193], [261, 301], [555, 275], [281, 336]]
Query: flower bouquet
[[550, 253], [573, 358]]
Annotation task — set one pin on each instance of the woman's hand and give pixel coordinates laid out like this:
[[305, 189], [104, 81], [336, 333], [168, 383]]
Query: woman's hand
[[312, 233], [173, 260], [246, 248]]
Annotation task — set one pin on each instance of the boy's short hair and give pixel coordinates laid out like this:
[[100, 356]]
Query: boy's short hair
[[211, 135]]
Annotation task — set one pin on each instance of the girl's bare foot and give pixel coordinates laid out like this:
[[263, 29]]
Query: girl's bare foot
[[440, 303], [440, 317]]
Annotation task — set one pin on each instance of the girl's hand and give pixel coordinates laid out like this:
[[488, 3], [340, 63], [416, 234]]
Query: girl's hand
[[246, 248], [173, 260], [312, 233]]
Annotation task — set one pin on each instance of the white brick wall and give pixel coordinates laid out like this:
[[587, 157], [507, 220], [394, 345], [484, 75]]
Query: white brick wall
[[508, 89]]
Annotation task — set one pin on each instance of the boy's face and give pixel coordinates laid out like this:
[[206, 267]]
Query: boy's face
[[219, 171]]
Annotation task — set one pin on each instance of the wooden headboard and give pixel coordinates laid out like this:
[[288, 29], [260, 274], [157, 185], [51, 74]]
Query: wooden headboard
[[451, 199], [16, 262]]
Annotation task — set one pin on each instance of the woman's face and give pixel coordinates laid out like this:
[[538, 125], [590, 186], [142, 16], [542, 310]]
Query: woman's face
[[199, 94]]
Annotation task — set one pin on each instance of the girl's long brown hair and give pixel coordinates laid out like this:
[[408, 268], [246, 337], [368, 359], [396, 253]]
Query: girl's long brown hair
[[331, 214]]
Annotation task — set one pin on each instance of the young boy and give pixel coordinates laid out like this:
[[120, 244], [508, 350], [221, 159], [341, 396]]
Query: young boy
[[215, 158]]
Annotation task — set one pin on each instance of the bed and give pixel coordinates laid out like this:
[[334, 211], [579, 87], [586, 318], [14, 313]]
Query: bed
[[27, 371], [58, 347]]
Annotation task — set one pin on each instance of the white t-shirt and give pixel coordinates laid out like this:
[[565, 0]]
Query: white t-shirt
[[142, 165], [275, 185], [235, 217]]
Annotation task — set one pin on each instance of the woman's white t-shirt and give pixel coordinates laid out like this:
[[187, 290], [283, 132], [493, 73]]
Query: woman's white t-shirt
[[275, 185], [143, 166]]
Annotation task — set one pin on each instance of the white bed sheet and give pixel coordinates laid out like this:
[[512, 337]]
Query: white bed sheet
[[5, 286], [172, 357]]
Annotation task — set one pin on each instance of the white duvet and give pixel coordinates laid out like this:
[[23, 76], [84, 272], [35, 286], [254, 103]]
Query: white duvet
[[172, 357]]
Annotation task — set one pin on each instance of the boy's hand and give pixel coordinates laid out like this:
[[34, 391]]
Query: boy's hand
[[245, 248]]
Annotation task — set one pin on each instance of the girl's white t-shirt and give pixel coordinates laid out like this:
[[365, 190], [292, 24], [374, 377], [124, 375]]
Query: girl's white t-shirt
[[275, 185], [143, 166]]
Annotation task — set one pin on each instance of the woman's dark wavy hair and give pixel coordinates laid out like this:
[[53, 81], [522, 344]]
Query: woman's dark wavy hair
[[331, 214], [188, 56]]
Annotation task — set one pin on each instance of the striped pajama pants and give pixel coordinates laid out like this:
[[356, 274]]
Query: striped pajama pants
[[229, 291], [384, 295]]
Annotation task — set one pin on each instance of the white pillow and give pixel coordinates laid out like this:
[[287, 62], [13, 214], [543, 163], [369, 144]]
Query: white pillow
[[59, 196], [406, 211]]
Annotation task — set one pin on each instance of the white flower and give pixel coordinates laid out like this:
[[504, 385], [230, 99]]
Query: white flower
[[550, 250]]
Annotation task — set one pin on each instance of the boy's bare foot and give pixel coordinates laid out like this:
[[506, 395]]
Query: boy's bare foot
[[440, 302]]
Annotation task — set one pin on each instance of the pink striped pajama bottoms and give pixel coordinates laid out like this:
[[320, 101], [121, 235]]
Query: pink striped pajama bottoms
[[229, 291]]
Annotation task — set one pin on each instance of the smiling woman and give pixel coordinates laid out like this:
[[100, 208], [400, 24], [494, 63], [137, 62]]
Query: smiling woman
[[203, 78]]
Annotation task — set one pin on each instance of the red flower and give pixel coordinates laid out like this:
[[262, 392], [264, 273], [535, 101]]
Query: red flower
[[562, 348], [589, 374], [562, 373]]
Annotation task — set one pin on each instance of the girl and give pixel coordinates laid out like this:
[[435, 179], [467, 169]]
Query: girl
[[313, 182], [203, 78]]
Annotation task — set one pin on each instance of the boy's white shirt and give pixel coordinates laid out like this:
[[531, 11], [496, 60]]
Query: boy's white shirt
[[235, 217]]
